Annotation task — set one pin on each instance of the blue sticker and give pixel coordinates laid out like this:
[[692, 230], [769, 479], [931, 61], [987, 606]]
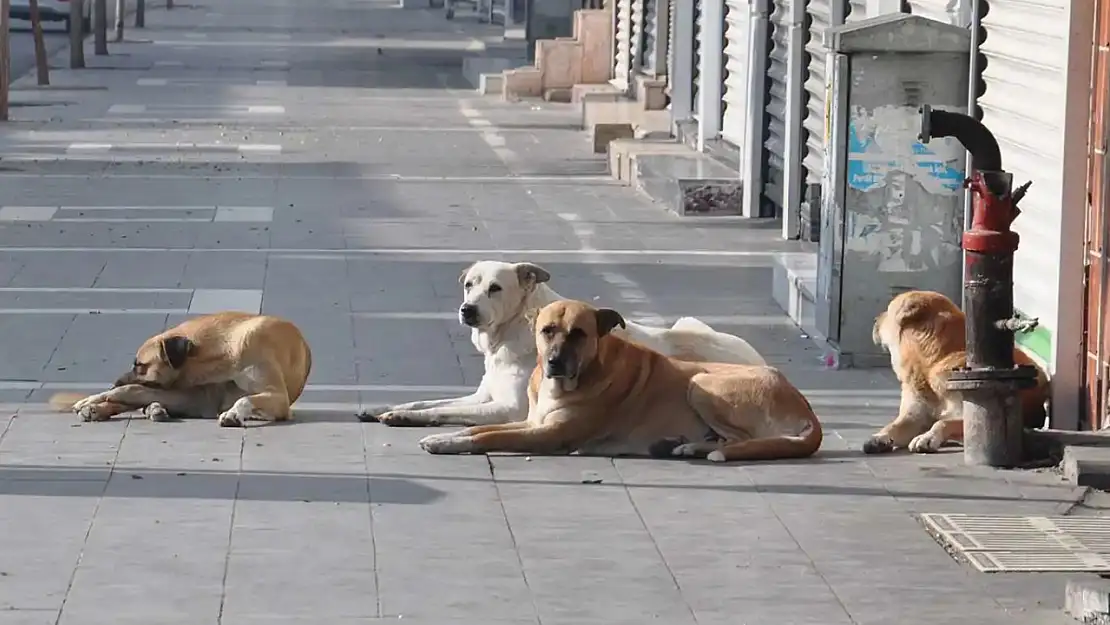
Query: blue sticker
[[867, 174]]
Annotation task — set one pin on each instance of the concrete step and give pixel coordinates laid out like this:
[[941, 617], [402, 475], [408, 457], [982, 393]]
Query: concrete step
[[794, 289]]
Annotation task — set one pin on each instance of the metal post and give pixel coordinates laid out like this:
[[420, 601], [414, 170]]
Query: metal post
[[100, 27], [42, 64], [5, 57], [140, 14], [990, 382], [76, 34], [169, 4], [121, 11]]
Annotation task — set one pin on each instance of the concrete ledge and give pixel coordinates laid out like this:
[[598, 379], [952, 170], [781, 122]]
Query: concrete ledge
[[794, 289], [604, 134], [650, 92], [1088, 600], [474, 67], [623, 152], [623, 112], [491, 83], [603, 92], [1087, 466], [687, 184]]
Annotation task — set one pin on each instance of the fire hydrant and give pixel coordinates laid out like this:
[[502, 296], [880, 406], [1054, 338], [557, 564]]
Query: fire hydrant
[[993, 428]]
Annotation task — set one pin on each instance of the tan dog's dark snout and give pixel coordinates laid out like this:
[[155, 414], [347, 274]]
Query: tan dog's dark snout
[[568, 336], [157, 362], [560, 360]]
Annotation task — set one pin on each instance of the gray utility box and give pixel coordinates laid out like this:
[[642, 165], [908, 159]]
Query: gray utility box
[[891, 207]]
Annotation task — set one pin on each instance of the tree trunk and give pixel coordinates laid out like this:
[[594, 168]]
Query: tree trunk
[[121, 11], [41, 63], [100, 27], [5, 57], [77, 34]]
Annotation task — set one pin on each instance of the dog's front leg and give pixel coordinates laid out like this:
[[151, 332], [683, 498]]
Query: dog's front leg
[[269, 405], [117, 400], [517, 437], [469, 415], [915, 415], [372, 415]]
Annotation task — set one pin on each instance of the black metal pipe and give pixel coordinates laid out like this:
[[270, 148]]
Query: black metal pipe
[[975, 137]]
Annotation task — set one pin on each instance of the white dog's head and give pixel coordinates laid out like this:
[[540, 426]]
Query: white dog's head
[[493, 291]]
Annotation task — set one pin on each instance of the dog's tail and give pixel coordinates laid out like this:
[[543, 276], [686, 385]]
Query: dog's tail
[[692, 324], [63, 402]]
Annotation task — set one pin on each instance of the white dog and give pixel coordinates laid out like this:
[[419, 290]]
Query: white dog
[[500, 303]]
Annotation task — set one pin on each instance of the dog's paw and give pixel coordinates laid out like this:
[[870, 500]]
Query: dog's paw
[[686, 450], [89, 412], [716, 456], [401, 418], [371, 415], [448, 443], [664, 447], [230, 419], [925, 443], [156, 412], [878, 445]]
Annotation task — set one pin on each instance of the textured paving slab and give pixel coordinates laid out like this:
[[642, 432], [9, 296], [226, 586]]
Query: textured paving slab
[[390, 179]]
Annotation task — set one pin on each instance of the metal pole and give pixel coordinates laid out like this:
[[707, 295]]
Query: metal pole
[[121, 11], [42, 65], [100, 27], [5, 57], [169, 4], [989, 383], [76, 34], [140, 14]]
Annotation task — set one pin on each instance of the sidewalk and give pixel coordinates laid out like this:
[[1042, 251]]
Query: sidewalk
[[324, 161]]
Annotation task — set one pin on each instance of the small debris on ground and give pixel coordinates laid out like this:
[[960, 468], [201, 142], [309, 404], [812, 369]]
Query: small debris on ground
[[591, 477]]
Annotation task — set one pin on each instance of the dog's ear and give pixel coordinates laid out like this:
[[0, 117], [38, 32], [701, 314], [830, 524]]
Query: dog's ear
[[466, 270], [530, 275], [175, 349], [607, 319]]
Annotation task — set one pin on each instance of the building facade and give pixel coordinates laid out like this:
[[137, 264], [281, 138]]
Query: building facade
[[746, 79]]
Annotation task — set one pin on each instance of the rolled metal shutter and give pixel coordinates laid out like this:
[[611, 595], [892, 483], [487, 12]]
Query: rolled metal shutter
[[670, 44], [735, 75], [1023, 98], [622, 66], [821, 14], [651, 34], [695, 93], [775, 142], [637, 49]]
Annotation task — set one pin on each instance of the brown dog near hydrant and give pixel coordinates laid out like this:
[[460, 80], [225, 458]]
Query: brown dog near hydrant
[[231, 366], [925, 334], [596, 393]]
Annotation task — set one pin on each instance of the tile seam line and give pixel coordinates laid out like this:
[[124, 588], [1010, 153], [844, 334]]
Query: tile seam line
[[512, 538], [92, 521], [654, 543]]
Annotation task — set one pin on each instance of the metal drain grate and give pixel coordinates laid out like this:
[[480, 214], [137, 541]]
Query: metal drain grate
[[1029, 544]]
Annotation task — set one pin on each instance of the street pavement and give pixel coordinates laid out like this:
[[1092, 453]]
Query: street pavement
[[325, 161]]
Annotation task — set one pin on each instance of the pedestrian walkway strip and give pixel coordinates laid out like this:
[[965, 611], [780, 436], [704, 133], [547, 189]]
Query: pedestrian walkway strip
[[176, 110], [1028, 544], [126, 214], [192, 82], [96, 148]]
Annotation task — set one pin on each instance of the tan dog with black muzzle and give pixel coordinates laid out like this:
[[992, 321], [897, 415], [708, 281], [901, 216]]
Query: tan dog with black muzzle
[[596, 393], [231, 366]]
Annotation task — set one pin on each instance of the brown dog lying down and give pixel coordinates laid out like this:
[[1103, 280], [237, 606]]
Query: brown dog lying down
[[596, 393], [925, 334], [230, 366]]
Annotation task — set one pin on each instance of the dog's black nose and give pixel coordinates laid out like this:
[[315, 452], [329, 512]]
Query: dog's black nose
[[468, 313], [554, 367]]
